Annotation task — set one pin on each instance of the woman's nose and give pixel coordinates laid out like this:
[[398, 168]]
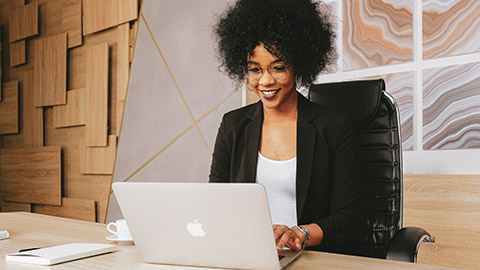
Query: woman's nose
[[266, 79]]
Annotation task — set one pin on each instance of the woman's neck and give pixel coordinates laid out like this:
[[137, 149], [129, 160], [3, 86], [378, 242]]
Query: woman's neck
[[287, 111]]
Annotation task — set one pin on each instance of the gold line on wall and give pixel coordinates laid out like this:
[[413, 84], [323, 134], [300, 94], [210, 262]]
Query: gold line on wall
[[181, 134], [177, 86]]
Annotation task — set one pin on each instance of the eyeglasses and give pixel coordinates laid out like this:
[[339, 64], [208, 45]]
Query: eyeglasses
[[277, 70]]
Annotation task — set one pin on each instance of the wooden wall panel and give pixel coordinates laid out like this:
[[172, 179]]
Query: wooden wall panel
[[9, 108], [24, 22], [75, 184], [123, 69], [73, 113], [98, 160], [96, 119], [52, 21], [50, 70], [1, 63], [70, 208], [101, 14], [15, 207], [72, 21], [18, 53], [31, 175], [32, 116], [447, 206]]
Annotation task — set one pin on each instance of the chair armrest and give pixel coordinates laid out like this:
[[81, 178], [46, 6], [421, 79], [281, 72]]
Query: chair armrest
[[404, 245]]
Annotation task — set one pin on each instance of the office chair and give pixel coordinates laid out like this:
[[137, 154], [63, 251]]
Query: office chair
[[376, 121]]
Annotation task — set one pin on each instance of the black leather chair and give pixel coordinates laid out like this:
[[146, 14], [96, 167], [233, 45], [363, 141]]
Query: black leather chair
[[375, 115]]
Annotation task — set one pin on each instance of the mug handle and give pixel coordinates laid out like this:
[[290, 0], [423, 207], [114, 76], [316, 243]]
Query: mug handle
[[110, 230]]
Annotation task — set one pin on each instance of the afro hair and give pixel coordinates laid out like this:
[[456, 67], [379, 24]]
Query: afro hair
[[297, 30]]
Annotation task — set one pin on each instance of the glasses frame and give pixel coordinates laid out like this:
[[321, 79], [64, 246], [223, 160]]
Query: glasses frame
[[268, 68]]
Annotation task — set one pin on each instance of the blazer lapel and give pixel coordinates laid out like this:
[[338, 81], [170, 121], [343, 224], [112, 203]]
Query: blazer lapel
[[252, 141], [306, 139]]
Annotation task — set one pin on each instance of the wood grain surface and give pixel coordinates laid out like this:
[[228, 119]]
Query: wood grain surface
[[447, 206], [123, 69], [70, 208], [72, 113], [31, 175], [96, 118], [15, 207], [99, 160], [32, 116], [18, 53], [50, 70], [23, 22], [99, 15], [9, 108], [72, 21]]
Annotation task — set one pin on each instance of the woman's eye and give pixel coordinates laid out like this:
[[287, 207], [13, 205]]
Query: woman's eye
[[253, 69], [279, 68]]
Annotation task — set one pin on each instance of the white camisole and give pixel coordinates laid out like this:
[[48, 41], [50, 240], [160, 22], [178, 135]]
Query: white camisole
[[278, 178]]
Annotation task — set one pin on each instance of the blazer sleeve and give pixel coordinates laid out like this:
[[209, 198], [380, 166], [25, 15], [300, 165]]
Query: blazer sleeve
[[220, 167], [344, 199]]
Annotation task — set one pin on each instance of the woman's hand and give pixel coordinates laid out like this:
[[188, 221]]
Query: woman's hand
[[289, 237]]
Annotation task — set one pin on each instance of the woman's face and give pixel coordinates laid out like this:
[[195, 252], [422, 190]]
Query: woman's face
[[276, 88]]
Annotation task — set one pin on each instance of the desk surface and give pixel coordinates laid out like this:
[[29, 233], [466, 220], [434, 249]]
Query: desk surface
[[34, 230]]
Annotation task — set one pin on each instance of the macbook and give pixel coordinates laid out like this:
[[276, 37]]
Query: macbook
[[206, 225]]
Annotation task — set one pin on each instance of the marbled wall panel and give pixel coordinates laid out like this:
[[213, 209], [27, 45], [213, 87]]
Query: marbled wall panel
[[451, 107], [450, 27], [400, 86], [377, 33]]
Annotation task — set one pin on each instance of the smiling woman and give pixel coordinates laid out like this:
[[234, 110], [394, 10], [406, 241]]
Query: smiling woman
[[302, 153]]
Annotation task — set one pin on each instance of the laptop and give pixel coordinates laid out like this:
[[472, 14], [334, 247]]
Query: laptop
[[200, 224]]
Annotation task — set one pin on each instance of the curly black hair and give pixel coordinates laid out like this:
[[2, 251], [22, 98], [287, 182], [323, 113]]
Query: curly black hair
[[297, 30]]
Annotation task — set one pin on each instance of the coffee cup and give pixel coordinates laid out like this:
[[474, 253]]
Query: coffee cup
[[121, 229]]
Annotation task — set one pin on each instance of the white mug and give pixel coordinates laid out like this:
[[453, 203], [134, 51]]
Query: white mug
[[122, 232]]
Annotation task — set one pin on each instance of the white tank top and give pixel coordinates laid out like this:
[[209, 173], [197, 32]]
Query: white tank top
[[278, 178]]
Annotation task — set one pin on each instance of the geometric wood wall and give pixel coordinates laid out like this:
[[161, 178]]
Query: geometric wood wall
[[59, 59]]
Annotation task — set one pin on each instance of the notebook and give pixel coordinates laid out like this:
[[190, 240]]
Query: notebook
[[59, 254], [206, 225]]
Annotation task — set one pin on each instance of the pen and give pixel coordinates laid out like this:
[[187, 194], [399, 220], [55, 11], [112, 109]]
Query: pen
[[29, 249]]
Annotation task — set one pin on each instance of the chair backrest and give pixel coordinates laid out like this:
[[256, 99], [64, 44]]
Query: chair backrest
[[375, 117]]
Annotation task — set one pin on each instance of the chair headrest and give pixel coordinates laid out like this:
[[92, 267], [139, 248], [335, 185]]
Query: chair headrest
[[360, 99]]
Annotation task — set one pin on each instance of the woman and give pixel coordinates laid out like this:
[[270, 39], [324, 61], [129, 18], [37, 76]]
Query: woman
[[304, 154]]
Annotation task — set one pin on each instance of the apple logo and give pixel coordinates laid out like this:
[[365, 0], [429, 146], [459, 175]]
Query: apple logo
[[195, 229]]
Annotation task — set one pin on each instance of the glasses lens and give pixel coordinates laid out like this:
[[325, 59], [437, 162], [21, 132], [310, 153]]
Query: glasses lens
[[277, 70], [254, 72]]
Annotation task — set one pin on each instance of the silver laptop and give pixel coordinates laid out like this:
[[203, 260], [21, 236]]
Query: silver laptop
[[206, 225]]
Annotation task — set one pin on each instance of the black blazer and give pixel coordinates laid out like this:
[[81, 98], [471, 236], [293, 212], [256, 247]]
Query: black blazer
[[327, 158]]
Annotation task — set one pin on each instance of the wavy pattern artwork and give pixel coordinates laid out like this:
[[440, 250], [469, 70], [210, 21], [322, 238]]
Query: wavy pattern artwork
[[450, 27], [451, 107], [400, 86], [377, 33]]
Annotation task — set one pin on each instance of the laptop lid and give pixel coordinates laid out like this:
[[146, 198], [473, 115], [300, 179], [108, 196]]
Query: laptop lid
[[211, 225]]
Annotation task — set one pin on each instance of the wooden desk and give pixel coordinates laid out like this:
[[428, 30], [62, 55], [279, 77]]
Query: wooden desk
[[35, 230]]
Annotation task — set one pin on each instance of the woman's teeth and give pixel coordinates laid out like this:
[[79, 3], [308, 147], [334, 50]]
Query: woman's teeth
[[270, 93]]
